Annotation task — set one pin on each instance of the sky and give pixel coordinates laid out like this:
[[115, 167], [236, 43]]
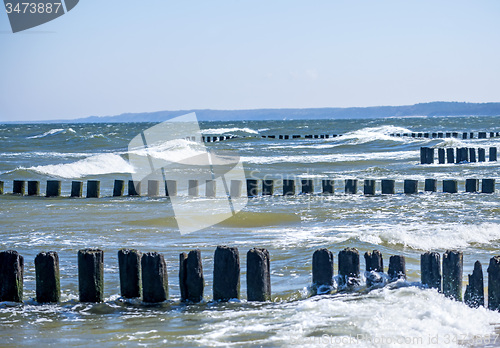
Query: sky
[[114, 56]]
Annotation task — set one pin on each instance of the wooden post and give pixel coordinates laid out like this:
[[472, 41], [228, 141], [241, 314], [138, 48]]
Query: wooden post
[[410, 186], [48, 288], [474, 292], [153, 188], [450, 186], [33, 188], [129, 262], [170, 188], [328, 186], [369, 187], [267, 187], [252, 188], [18, 187], [481, 155], [387, 186], [450, 155], [193, 188], [235, 188], [452, 274], [374, 266], [210, 188], [481, 135], [430, 270], [118, 188], [91, 275], [430, 185], [53, 188], [134, 188], [258, 275], [322, 269], [441, 156], [397, 268], [351, 186], [307, 186], [349, 266], [471, 185], [488, 186], [288, 187], [472, 155], [226, 274], [494, 284], [93, 188], [154, 278], [76, 189], [191, 276], [1, 187], [11, 276], [493, 154]]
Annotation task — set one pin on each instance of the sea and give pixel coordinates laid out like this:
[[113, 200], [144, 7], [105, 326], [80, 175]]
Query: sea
[[291, 228]]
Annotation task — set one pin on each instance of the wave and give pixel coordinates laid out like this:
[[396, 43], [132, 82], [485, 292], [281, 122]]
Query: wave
[[172, 150], [43, 154], [370, 134], [94, 165], [53, 132], [228, 130]]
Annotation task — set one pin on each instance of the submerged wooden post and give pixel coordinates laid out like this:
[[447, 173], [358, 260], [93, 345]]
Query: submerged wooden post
[[1, 187], [154, 278], [193, 188], [267, 187], [118, 188], [472, 155], [450, 155], [258, 275], [226, 274], [328, 186], [374, 266], [11, 276], [129, 262], [235, 188], [91, 275], [288, 187], [307, 186], [349, 266], [397, 267], [191, 276], [410, 186], [153, 188], [53, 188], [252, 188], [48, 288], [474, 292], [387, 186], [351, 186], [494, 284], [134, 188], [441, 156], [76, 188], [369, 187], [18, 187], [430, 270], [170, 188], [322, 269], [430, 185], [210, 188], [493, 154], [452, 274], [33, 188], [481, 155], [93, 188], [450, 186], [471, 185], [488, 186]]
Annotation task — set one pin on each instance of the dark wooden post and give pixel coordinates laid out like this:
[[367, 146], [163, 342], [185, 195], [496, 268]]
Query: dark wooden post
[[387, 186], [471, 185], [118, 188], [430, 185], [441, 156], [450, 155], [488, 186], [53, 188], [134, 188], [288, 187], [93, 188], [258, 275], [450, 186], [191, 276], [493, 154], [472, 155], [252, 188], [91, 275], [11, 276], [430, 270], [481, 155], [226, 274], [349, 266], [494, 284], [322, 269], [267, 187], [18, 187], [76, 189], [369, 187], [351, 186], [48, 288], [129, 262], [474, 292], [452, 274], [397, 267], [410, 186], [374, 266], [33, 188], [154, 278], [328, 186], [307, 186]]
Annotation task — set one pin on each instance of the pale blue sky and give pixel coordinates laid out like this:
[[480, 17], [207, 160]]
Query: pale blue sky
[[107, 57]]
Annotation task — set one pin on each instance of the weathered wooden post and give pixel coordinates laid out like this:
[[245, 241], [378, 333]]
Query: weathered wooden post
[[349, 266], [488, 186], [170, 188], [258, 275], [53, 188], [430, 270], [328, 186], [129, 262], [452, 274], [153, 188], [397, 268], [193, 188], [154, 278], [1, 187], [118, 188], [450, 155], [93, 188], [307, 186], [351, 186], [472, 155], [226, 274], [493, 154], [252, 188], [474, 292], [76, 189], [471, 185], [464, 135], [369, 187], [423, 155], [48, 288], [267, 187], [288, 187], [450, 186], [210, 188], [11, 276], [494, 284], [387, 186], [33, 188], [441, 156], [235, 188], [410, 186], [430, 185], [322, 269], [191, 276], [481, 135], [18, 187], [91, 275], [374, 266], [134, 188], [481, 155]]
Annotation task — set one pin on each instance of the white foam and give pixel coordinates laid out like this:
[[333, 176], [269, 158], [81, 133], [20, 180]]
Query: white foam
[[172, 150], [228, 130], [50, 132], [369, 134]]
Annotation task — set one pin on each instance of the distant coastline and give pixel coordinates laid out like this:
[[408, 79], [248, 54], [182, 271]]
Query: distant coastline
[[431, 109]]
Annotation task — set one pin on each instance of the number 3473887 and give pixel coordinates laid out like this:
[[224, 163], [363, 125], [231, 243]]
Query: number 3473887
[[33, 7]]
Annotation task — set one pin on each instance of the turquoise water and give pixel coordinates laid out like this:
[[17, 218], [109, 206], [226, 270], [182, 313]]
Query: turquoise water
[[291, 228]]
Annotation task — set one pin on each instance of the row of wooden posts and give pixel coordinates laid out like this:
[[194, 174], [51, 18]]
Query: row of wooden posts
[[289, 188], [459, 155], [458, 135], [298, 136], [145, 275]]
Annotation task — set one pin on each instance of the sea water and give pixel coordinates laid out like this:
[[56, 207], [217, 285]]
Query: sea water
[[291, 228]]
